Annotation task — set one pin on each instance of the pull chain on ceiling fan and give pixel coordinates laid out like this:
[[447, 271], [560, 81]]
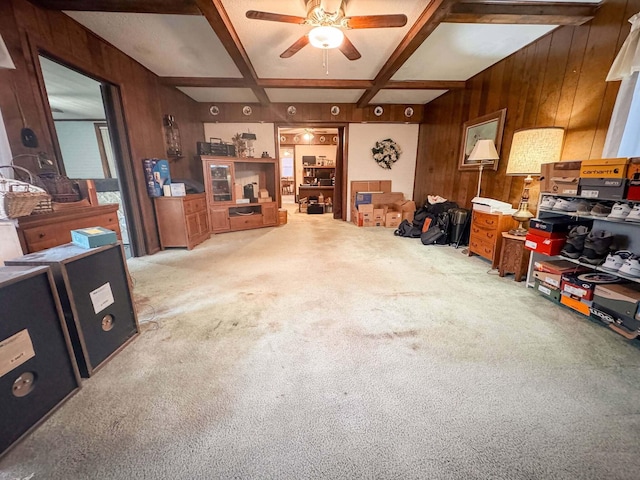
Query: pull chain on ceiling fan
[[327, 32]]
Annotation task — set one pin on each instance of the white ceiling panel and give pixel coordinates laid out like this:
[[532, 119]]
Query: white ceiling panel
[[313, 95], [214, 94], [458, 51], [168, 45], [264, 41], [406, 96]]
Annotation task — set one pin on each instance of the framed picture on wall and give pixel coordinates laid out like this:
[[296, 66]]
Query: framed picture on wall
[[488, 126]]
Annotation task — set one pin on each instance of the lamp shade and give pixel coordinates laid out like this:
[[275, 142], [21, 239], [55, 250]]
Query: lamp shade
[[483, 150], [531, 147], [326, 37]]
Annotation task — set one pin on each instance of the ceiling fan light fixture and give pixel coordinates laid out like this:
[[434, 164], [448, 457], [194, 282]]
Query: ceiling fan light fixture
[[326, 37]]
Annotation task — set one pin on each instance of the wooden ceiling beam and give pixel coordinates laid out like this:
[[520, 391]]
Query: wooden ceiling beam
[[206, 82], [314, 83], [430, 18], [531, 13], [424, 85], [169, 7], [216, 15]]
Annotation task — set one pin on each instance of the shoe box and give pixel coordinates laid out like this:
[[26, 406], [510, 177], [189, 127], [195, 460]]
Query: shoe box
[[579, 305], [582, 285], [560, 177], [549, 291], [633, 192], [618, 304], [607, 188], [559, 224], [550, 272], [604, 168], [545, 246]]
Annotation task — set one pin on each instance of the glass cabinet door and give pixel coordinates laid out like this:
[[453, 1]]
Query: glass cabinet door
[[221, 184]]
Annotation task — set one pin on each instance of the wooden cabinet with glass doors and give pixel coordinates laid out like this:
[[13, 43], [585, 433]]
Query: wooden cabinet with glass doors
[[235, 190]]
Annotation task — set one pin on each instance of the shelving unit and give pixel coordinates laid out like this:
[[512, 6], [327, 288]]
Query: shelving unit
[[225, 178], [310, 173], [627, 235]]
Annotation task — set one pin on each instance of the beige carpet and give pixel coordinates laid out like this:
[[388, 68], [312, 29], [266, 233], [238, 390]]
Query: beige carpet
[[321, 350]]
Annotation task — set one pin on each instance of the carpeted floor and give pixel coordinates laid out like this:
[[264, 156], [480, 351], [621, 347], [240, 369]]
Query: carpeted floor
[[322, 350]]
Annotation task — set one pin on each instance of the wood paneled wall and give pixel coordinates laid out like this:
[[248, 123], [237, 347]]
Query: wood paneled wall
[[558, 80], [26, 29]]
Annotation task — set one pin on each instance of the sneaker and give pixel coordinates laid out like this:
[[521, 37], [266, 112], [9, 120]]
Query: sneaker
[[548, 202], [583, 207], [596, 247], [620, 211], [631, 267], [600, 210], [575, 242], [566, 205], [615, 260], [634, 215]]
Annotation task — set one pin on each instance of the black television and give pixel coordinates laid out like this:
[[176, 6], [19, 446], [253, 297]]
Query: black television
[[308, 160]]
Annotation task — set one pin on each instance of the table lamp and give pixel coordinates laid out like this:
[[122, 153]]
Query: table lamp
[[484, 152], [530, 148]]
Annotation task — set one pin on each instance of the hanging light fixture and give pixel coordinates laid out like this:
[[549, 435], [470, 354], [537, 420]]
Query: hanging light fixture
[[326, 37]]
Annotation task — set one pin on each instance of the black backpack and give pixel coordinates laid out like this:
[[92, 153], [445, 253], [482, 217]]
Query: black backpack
[[438, 232], [406, 229]]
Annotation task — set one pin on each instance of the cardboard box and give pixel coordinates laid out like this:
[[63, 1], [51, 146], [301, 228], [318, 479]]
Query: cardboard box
[[366, 208], [604, 168], [265, 199], [545, 234], [92, 237], [365, 220], [575, 304], [633, 192], [545, 246], [363, 198], [156, 173], [407, 208], [560, 177], [238, 190], [549, 291], [558, 266], [263, 193], [370, 186], [392, 219], [378, 214], [622, 298], [607, 188], [582, 285], [552, 279], [558, 224]]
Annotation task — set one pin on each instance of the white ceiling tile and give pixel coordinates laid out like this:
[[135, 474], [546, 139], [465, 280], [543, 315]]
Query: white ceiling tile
[[458, 51], [313, 95], [214, 94], [406, 96], [168, 45]]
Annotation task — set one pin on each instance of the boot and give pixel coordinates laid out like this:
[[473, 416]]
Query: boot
[[575, 242], [596, 247]]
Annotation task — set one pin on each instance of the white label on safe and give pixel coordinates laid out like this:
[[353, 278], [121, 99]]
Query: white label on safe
[[574, 291], [544, 290], [101, 297], [589, 193], [15, 350]]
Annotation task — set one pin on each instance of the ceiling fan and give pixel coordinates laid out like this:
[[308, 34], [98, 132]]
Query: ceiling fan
[[328, 27]]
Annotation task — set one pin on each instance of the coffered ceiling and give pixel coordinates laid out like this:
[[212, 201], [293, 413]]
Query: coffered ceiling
[[211, 51]]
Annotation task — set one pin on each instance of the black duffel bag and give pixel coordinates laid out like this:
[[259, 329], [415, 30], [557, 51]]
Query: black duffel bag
[[406, 229]]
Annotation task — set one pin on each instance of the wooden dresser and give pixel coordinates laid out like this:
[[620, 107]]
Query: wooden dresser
[[182, 221], [39, 232], [485, 238]]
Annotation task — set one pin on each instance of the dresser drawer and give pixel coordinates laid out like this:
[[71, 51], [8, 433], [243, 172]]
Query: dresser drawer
[[194, 205], [486, 220], [483, 248], [248, 221], [484, 234]]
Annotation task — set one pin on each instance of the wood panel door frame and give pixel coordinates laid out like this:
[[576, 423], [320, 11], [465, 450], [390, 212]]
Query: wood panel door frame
[[114, 110]]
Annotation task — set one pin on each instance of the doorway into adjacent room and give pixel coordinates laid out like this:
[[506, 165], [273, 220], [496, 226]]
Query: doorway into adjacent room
[[84, 115]]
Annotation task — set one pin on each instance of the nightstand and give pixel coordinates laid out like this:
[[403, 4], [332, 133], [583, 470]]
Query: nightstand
[[514, 258]]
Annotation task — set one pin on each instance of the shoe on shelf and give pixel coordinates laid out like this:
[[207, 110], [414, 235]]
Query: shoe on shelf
[[548, 202], [600, 210], [583, 207], [615, 260], [634, 215], [596, 247], [566, 204], [631, 267], [620, 211], [575, 242]]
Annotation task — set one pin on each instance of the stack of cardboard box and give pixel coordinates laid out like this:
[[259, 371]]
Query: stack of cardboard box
[[373, 204]]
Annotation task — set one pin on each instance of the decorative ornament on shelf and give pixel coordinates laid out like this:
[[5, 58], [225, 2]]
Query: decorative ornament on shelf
[[214, 110], [291, 110], [335, 110], [408, 112], [246, 110], [386, 153], [378, 111]]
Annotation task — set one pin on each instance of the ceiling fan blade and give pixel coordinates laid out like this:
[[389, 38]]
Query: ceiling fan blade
[[296, 47], [376, 21], [274, 17], [349, 50]]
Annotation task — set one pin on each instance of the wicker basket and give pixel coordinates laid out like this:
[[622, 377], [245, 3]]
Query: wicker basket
[[18, 198]]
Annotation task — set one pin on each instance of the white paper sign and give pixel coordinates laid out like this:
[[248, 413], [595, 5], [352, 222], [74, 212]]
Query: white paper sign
[[15, 350], [101, 297]]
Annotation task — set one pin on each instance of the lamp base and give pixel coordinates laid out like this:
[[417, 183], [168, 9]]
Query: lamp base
[[520, 231]]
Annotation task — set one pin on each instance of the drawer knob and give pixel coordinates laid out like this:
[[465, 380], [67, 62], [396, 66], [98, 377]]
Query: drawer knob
[[42, 235]]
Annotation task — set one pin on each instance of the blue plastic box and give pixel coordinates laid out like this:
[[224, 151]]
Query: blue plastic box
[[92, 237]]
